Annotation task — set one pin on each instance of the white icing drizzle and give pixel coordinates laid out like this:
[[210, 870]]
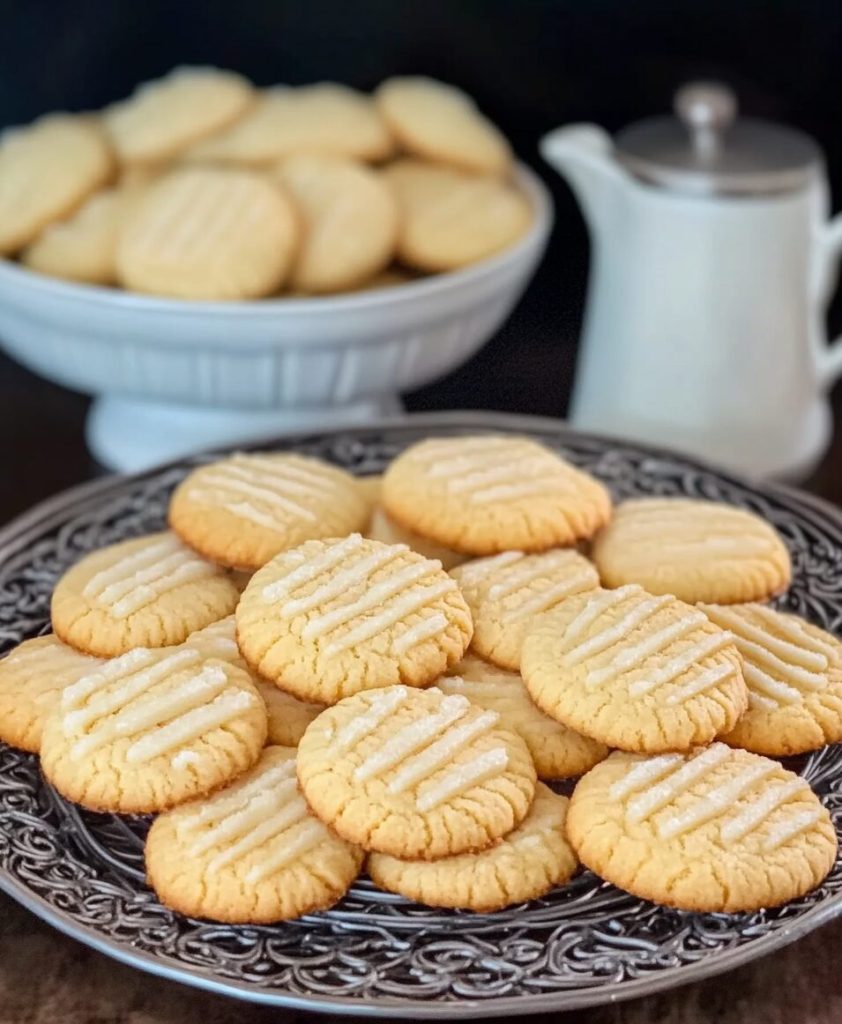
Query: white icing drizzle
[[711, 643], [738, 826], [73, 696], [378, 711], [760, 703], [356, 573], [427, 628], [239, 795], [617, 631], [230, 484], [524, 489], [798, 649], [312, 569], [247, 815], [516, 472], [184, 758], [279, 481], [701, 683], [188, 570], [473, 573], [629, 658], [795, 630], [470, 456], [643, 774], [261, 833], [241, 509], [306, 837], [793, 674], [147, 555], [439, 753], [546, 599], [595, 607], [715, 802], [794, 826], [462, 777], [520, 577], [646, 803], [764, 686]]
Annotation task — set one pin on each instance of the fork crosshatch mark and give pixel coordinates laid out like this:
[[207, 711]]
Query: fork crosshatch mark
[[581, 945]]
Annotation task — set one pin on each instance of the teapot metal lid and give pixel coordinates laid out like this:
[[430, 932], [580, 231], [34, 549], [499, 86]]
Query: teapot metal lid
[[708, 150]]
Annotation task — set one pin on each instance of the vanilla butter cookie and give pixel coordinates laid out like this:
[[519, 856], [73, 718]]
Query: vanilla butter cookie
[[696, 550], [152, 591], [486, 494], [558, 752], [333, 617], [208, 233], [243, 510], [152, 729], [713, 831], [32, 676], [415, 773], [505, 592], [47, 169], [793, 671], [524, 865], [440, 122], [252, 853], [634, 671]]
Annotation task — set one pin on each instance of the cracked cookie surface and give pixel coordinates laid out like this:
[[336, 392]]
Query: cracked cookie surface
[[714, 830], [525, 864], [149, 592], [635, 671], [333, 617], [252, 853], [415, 773]]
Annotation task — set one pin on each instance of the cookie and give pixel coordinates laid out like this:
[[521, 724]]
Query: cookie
[[349, 218], [450, 219], [252, 853], [558, 752], [208, 233], [333, 617], [634, 671], [524, 865], [163, 117], [715, 830], [696, 550], [441, 123], [793, 671], [384, 529], [506, 592], [415, 773], [152, 729], [32, 676], [486, 494], [243, 510], [148, 592], [47, 170], [325, 119]]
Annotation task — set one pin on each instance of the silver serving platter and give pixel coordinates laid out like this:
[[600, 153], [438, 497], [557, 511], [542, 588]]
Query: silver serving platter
[[585, 944]]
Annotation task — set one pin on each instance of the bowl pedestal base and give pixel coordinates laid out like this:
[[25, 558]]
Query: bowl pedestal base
[[129, 434]]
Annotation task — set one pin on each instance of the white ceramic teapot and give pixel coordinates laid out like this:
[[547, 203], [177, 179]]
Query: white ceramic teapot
[[712, 262]]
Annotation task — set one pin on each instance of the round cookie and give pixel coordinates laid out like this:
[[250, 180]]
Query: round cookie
[[250, 854], [333, 617], [349, 218], [713, 831], [506, 592], [793, 671], [323, 119], [415, 773], [32, 676], [439, 122], [165, 116], [208, 233], [558, 752], [486, 494], [47, 170], [148, 592], [449, 219], [696, 550], [524, 865], [387, 531], [152, 729], [634, 671], [246, 509]]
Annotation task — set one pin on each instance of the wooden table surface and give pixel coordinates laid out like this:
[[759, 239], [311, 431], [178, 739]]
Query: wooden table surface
[[47, 978]]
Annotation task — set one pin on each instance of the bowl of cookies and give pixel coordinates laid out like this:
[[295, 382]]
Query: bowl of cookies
[[215, 262]]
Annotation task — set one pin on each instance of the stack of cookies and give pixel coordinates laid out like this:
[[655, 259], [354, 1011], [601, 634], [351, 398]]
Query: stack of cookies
[[295, 684], [200, 186]]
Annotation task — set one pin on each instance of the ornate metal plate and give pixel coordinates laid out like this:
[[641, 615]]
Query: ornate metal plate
[[585, 944]]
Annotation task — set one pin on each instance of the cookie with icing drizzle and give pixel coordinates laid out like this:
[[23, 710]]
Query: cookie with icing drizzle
[[486, 494], [149, 592], [245, 509], [524, 865], [635, 671], [696, 550], [505, 592], [417, 774], [252, 853], [32, 676], [331, 618], [152, 729], [558, 752], [712, 830], [793, 671]]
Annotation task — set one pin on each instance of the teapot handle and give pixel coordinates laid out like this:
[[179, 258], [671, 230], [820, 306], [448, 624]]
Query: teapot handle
[[829, 356]]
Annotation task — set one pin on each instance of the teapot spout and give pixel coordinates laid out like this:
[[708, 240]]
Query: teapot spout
[[583, 155]]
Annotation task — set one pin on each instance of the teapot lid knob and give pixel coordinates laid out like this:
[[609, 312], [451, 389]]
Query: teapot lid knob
[[707, 109]]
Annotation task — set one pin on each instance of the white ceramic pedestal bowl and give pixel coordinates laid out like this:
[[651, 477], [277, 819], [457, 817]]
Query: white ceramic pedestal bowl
[[172, 377]]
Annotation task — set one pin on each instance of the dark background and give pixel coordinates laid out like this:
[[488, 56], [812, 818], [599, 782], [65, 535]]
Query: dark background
[[531, 65]]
